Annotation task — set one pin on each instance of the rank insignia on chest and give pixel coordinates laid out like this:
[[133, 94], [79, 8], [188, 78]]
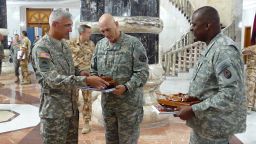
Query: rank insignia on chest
[[44, 55], [227, 74]]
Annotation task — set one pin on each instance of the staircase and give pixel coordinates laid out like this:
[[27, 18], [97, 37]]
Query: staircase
[[182, 56], [184, 7]]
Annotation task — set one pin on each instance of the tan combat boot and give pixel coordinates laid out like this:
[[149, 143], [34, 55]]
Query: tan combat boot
[[87, 128]]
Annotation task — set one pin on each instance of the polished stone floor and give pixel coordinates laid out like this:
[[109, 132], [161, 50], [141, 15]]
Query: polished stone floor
[[22, 127]]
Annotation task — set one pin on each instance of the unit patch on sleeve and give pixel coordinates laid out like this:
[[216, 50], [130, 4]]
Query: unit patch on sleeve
[[227, 74]]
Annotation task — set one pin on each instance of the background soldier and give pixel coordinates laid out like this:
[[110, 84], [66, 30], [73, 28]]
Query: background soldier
[[25, 50], [218, 81], [251, 77], [122, 57], [58, 77], [15, 47], [82, 50]]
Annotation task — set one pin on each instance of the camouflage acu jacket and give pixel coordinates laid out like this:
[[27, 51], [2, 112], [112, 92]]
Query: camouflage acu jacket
[[82, 53], [127, 63], [218, 81], [25, 46], [55, 73], [15, 47]]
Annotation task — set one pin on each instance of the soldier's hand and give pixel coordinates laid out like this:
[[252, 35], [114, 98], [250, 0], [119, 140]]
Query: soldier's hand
[[185, 113], [120, 89], [84, 73], [96, 82]]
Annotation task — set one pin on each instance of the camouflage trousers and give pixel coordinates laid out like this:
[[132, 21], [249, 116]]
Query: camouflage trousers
[[122, 127], [87, 107], [197, 139], [24, 70], [251, 87], [61, 130]]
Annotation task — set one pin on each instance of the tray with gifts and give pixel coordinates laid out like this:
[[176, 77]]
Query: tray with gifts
[[176, 100]]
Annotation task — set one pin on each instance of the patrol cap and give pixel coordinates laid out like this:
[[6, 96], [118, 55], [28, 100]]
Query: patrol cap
[[3, 31]]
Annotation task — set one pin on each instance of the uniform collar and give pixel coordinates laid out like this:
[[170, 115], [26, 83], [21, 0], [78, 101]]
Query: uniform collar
[[209, 46], [117, 44], [55, 42], [79, 43]]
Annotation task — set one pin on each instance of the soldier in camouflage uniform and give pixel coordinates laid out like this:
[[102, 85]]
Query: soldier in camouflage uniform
[[25, 49], [1, 55], [251, 77], [123, 58], [58, 77], [15, 47], [82, 50], [218, 81]]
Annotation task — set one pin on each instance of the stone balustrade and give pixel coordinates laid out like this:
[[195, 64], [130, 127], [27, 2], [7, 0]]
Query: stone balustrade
[[182, 59], [184, 53]]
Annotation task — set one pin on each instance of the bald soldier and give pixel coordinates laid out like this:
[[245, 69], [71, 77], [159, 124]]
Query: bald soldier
[[123, 58], [218, 81], [58, 78]]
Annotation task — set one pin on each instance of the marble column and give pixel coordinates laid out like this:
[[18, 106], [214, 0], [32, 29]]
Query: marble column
[[91, 10], [3, 18]]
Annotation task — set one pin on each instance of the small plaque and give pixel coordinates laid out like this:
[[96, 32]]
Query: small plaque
[[163, 110], [94, 89]]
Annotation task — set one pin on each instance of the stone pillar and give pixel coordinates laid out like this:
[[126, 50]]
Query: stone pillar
[[91, 10], [140, 19], [3, 19], [6, 66]]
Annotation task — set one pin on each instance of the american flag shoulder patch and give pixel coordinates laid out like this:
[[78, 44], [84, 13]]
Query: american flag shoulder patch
[[44, 55]]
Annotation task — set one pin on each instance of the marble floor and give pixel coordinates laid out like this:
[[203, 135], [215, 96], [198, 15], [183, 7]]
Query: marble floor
[[19, 121]]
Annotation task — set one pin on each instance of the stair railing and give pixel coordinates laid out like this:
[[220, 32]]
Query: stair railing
[[184, 6], [182, 59]]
